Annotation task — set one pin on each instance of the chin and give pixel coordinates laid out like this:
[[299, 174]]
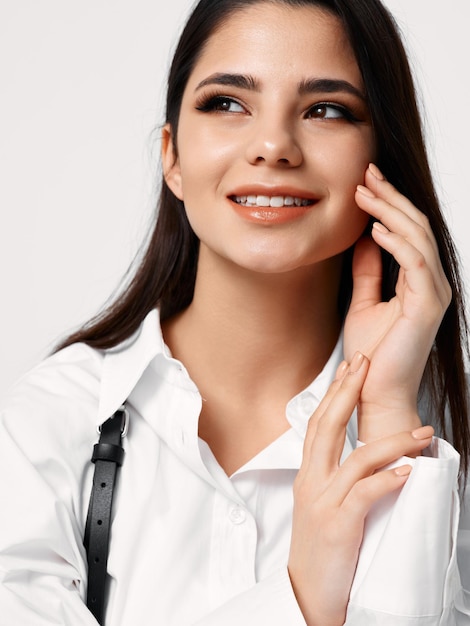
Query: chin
[[273, 264]]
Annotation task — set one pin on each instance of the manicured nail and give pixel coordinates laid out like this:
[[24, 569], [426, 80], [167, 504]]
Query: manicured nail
[[365, 191], [340, 372], [403, 470], [425, 432], [356, 363], [374, 170], [379, 227]]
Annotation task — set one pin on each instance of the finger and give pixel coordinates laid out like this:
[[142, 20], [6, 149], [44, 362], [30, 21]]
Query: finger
[[328, 443], [413, 233], [431, 299], [367, 274], [399, 215], [366, 492], [319, 411], [397, 219], [381, 188], [368, 459]]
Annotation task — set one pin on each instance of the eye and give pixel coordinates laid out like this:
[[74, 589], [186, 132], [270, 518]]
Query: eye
[[330, 111], [220, 103]]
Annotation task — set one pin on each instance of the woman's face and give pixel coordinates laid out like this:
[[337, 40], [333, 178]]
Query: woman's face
[[273, 137]]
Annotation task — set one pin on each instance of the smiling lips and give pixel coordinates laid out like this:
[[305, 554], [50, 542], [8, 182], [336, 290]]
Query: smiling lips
[[271, 201], [271, 210]]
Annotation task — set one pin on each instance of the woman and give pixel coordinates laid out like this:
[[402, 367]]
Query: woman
[[294, 282]]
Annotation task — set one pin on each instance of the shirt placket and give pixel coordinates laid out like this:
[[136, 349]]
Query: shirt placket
[[232, 550]]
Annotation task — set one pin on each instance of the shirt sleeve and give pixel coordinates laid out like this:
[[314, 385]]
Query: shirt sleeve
[[407, 572], [42, 561], [271, 601], [408, 568], [43, 569]]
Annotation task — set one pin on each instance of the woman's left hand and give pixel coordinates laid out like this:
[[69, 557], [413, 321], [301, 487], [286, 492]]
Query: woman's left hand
[[397, 335]]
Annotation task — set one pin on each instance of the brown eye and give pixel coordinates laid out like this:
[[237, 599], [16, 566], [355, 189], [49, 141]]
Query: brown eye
[[325, 111], [221, 103], [319, 111], [331, 111], [227, 104]]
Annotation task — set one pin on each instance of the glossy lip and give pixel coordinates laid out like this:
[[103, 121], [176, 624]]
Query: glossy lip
[[271, 215]]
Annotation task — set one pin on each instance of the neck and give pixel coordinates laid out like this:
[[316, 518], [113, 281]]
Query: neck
[[241, 323], [251, 342]]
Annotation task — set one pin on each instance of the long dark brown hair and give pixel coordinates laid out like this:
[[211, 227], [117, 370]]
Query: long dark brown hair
[[165, 274]]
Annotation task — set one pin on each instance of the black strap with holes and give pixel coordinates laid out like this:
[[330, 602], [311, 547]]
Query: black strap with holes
[[108, 455]]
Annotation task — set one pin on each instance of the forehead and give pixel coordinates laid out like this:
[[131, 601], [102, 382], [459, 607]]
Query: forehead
[[279, 42]]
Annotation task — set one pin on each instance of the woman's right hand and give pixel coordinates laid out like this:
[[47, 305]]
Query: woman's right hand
[[331, 501]]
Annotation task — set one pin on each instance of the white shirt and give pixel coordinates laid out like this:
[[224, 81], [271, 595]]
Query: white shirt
[[190, 545]]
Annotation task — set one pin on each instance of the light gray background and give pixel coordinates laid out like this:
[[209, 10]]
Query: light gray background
[[82, 85]]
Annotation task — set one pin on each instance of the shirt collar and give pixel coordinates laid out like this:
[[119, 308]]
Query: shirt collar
[[301, 407], [125, 364], [137, 357], [143, 371]]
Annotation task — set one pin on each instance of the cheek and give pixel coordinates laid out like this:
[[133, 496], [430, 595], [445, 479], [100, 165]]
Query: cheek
[[202, 168], [197, 175], [355, 156], [347, 170], [348, 167], [341, 155], [203, 146]]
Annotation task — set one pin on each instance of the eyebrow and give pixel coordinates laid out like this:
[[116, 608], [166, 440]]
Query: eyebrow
[[306, 86], [329, 85], [232, 80]]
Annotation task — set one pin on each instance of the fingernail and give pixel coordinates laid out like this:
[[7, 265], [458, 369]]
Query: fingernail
[[404, 470], [380, 227], [365, 191], [356, 363], [374, 170], [341, 370], [425, 432]]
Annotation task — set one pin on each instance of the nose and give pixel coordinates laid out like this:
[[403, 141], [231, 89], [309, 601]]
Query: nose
[[273, 143]]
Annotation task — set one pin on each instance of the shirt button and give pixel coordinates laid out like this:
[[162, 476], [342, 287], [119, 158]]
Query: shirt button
[[237, 515]]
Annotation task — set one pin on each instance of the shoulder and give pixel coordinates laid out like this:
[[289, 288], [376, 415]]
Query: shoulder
[[60, 402], [72, 373], [56, 401]]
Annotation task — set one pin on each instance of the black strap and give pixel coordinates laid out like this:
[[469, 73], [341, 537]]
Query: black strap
[[108, 455]]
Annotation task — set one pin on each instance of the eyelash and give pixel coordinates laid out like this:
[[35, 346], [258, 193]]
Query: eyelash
[[211, 102], [345, 112]]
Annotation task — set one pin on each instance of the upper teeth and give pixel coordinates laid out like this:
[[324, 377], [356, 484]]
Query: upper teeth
[[273, 201]]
